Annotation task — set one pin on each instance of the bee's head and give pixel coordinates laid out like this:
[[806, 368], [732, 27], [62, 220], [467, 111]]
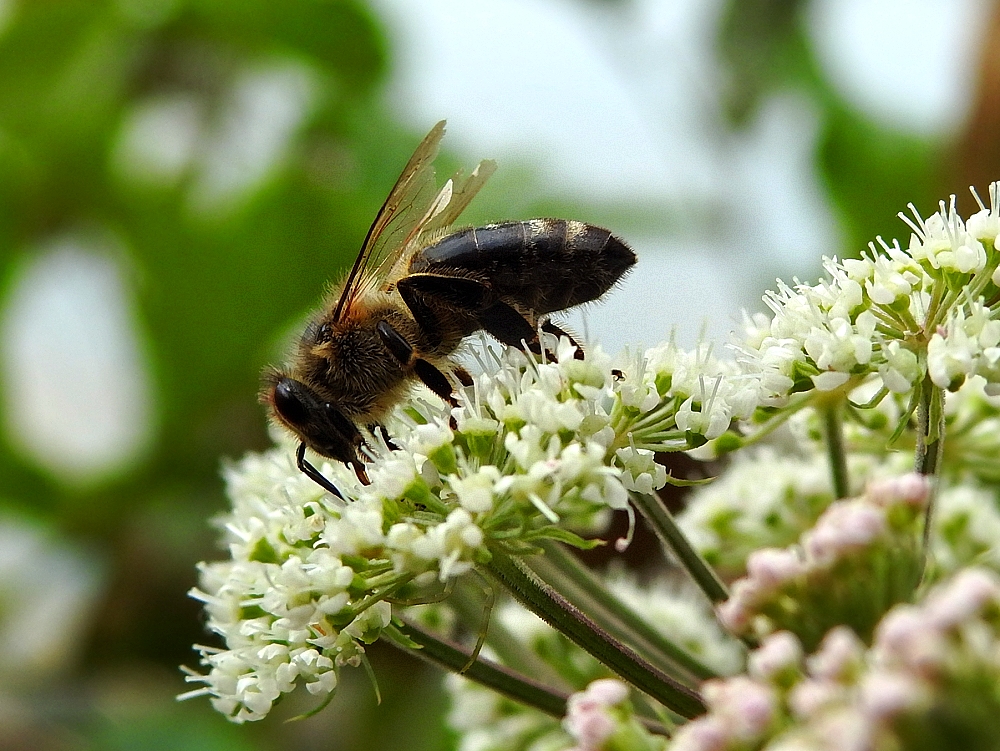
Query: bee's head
[[320, 425]]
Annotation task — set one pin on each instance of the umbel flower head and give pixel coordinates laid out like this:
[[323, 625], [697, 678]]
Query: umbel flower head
[[826, 579], [927, 681], [855, 432], [540, 450]]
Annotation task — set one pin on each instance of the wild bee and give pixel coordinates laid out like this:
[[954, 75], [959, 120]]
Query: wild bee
[[416, 290]]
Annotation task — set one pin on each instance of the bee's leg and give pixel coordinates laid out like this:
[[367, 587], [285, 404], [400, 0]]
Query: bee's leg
[[402, 350], [510, 327], [453, 292], [436, 381], [470, 296], [463, 375], [395, 342], [390, 444], [314, 474], [550, 328]]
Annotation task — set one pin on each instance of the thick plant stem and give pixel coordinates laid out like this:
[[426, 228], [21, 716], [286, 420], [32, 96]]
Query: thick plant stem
[[930, 444], [518, 687], [562, 615], [833, 425], [597, 600], [662, 522]]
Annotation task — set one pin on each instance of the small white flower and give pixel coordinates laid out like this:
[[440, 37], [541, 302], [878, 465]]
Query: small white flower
[[475, 491], [451, 544], [426, 439], [944, 243], [642, 474], [985, 225], [901, 368], [894, 275]]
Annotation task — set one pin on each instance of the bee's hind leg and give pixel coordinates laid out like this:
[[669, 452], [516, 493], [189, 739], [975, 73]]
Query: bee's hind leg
[[473, 299], [550, 328], [380, 428]]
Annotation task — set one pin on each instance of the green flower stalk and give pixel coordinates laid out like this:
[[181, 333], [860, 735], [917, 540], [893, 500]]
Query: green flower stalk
[[856, 429]]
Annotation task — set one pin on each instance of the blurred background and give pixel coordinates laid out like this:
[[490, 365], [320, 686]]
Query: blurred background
[[180, 179]]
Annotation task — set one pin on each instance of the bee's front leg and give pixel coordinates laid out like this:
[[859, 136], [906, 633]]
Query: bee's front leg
[[306, 468], [403, 351]]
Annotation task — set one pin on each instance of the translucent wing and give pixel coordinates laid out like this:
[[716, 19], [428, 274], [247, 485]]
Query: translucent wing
[[405, 207], [410, 212], [463, 191]]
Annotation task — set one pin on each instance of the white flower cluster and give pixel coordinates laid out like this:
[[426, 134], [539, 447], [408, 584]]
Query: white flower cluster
[[537, 448], [709, 393], [285, 604], [880, 313], [771, 493], [914, 688], [966, 345]]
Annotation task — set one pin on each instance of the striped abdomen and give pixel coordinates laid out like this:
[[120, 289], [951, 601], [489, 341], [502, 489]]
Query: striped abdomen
[[542, 264]]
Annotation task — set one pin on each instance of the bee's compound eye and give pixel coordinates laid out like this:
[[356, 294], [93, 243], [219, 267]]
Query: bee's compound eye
[[288, 403], [324, 333]]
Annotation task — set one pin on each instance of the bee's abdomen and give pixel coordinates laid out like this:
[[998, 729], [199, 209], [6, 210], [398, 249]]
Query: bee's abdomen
[[542, 264]]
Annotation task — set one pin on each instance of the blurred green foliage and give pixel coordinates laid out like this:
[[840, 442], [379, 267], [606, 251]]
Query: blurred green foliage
[[214, 284], [870, 171]]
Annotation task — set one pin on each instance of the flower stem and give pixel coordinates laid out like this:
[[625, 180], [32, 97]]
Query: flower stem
[[503, 680], [554, 609], [611, 613], [833, 425], [795, 404], [930, 444], [673, 540]]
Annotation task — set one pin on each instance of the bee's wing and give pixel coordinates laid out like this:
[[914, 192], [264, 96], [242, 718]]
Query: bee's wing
[[463, 190], [410, 213], [409, 206]]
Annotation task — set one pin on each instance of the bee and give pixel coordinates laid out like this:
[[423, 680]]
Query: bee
[[416, 290]]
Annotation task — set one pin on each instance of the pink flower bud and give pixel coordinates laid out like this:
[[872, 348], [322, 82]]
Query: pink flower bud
[[839, 655], [810, 697], [962, 598], [587, 718], [734, 614], [906, 636], [772, 567], [886, 694], [747, 706], [912, 489], [707, 733], [779, 652], [843, 528]]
